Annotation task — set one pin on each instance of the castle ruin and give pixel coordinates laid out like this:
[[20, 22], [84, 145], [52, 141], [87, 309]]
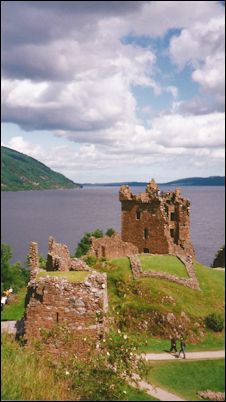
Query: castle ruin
[[156, 222], [80, 305]]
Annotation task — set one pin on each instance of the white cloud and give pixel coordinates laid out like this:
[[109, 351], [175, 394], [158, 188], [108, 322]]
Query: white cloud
[[74, 76], [203, 47]]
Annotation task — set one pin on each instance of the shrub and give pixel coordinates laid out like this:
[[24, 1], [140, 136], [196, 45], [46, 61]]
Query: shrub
[[15, 275], [219, 260], [110, 232], [215, 322], [90, 260], [85, 243]]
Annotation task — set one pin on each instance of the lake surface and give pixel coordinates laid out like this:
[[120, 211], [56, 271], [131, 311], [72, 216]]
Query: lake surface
[[67, 214]]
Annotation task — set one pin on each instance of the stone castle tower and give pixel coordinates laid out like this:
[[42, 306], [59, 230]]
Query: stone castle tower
[[156, 222]]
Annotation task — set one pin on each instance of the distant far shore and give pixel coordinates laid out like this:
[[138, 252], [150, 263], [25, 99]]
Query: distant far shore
[[190, 181]]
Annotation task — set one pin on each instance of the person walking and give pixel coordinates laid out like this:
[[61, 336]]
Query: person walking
[[173, 344], [182, 348]]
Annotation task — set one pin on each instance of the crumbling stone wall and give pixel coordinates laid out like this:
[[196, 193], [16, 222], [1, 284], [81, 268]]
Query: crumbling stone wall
[[156, 222], [33, 259], [58, 258], [80, 306], [190, 282], [111, 247]]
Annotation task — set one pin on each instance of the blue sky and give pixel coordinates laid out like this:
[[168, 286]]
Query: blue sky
[[112, 91]]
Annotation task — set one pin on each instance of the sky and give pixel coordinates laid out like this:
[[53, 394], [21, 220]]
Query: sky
[[105, 91]]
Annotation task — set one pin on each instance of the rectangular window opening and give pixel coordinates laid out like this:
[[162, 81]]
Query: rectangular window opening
[[146, 234], [172, 216], [138, 215]]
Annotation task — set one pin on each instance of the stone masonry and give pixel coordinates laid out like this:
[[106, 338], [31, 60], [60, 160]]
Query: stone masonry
[[58, 258], [80, 306], [111, 247], [156, 222], [54, 301], [33, 259]]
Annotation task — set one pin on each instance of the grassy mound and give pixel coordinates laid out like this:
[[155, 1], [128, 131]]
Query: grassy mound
[[164, 263], [142, 307]]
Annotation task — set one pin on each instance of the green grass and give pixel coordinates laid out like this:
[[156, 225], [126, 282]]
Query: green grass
[[186, 378], [164, 263], [26, 376], [133, 394], [71, 276], [131, 302], [195, 303], [15, 310], [29, 375]]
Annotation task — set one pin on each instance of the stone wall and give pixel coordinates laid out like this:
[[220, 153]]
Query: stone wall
[[80, 306], [33, 258], [111, 247], [190, 282], [58, 258], [156, 222]]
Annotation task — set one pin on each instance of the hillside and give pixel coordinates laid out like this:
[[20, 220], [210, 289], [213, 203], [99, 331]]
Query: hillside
[[21, 172], [189, 181], [199, 181]]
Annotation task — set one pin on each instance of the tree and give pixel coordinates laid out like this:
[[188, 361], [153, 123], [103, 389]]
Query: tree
[[15, 275], [85, 242], [219, 260]]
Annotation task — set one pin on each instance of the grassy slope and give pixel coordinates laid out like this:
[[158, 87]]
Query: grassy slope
[[172, 264], [21, 172], [129, 298], [178, 377]]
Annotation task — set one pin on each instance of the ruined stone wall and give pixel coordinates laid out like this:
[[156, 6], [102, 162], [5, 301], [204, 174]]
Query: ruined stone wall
[[33, 259], [79, 306], [156, 222], [111, 247], [58, 258]]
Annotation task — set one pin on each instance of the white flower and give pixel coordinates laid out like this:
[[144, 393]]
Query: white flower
[[119, 332], [131, 354], [84, 339], [67, 372], [108, 354], [124, 392], [125, 336]]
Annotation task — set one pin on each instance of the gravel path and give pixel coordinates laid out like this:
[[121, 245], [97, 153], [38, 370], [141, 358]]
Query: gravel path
[[12, 327], [213, 354]]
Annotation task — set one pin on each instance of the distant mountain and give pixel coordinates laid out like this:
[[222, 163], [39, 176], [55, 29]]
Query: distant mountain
[[190, 181], [21, 172], [199, 181], [117, 184]]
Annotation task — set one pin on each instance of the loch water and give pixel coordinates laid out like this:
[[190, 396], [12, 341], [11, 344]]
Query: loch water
[[67, 214]]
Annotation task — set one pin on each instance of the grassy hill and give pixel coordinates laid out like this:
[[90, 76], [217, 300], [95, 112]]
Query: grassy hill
[[21, 172], [143, 307], [139, 309]]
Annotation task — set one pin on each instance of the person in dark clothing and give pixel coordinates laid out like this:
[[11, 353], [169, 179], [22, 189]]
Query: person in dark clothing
[[173, 344], [182, 348]]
